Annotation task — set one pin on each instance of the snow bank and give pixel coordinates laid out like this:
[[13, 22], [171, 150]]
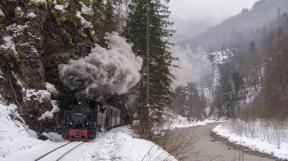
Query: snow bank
[[50, 114], [51, 88], [87, 10], [60, 7], [174, 120], [121, 144], [84, 22], [8, 43], [40, 95], [270, 138], [31, 15], [13, 133], [183, 122], [53, 136]]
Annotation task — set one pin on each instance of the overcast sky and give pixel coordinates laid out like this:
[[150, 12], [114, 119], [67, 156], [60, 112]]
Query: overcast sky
[[198, 9]]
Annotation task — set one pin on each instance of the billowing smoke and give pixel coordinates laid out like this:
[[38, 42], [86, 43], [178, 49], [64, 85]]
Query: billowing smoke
[[103, 72], [193, 66]]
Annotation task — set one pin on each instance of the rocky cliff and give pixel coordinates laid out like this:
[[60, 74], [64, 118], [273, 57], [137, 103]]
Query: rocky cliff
[[35, 37]]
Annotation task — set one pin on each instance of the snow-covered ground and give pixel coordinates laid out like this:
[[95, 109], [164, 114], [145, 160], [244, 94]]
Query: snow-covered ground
[[17, 143], [266, 137], [174, 120], [14, 136], [183, 122], [121, 144]]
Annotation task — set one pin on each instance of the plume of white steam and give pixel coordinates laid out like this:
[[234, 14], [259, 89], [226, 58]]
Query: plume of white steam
[[104, 72], [192, 66]]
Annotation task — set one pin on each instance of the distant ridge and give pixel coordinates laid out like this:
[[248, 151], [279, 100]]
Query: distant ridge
[[240, 30]]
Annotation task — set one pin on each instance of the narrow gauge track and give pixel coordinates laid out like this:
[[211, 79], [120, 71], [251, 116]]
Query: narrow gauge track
[[56, 149], [68, 151]]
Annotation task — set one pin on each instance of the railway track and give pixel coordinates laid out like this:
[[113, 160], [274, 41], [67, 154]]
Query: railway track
[[56, 150]]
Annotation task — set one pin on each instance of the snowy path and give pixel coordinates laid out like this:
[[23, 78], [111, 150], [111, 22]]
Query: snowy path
[[204, 148], [119, 144]]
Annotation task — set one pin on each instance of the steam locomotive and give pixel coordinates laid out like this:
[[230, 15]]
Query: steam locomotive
[[85, 119]]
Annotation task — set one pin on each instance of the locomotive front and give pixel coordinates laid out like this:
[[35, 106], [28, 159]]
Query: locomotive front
[[82, 121], [79, 124]]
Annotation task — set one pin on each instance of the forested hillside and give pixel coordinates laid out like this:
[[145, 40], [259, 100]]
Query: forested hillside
[[240, 70], [248, 85]]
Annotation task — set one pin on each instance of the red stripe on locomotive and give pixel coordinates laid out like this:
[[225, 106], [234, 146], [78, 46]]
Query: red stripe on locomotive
[[78, 135]]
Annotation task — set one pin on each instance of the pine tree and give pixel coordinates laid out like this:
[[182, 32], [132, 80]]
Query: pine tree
[[160, 77]]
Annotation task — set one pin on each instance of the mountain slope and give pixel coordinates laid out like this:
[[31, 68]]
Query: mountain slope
[[241, 29]]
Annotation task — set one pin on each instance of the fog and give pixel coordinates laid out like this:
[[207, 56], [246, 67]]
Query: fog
[[215, 10], [193, 66], [193, 17]]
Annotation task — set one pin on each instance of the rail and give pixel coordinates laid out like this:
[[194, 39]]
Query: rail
[[63, 155]]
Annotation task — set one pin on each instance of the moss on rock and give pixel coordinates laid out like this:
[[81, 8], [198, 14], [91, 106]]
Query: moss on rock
[[87, 2], [39, 4], [18, 12], [68, 37], [82, 34]]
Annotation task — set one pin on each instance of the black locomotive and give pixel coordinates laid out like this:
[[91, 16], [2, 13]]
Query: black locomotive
[[83, 120]]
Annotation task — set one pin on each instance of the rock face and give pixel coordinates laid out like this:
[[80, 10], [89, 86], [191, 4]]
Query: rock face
[[9, 89], [35, 37]]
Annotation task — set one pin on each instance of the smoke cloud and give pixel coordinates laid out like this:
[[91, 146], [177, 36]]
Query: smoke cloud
[[192, 66], [103, 72]]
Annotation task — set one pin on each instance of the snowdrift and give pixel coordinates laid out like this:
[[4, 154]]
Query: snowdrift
[[258, 135]]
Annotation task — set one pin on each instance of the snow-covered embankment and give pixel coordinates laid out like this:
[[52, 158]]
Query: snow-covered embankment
[[14, 136], [262, 136], [122, 144]]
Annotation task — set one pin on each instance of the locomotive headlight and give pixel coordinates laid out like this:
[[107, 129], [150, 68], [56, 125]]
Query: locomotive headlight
[[70, 123]]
